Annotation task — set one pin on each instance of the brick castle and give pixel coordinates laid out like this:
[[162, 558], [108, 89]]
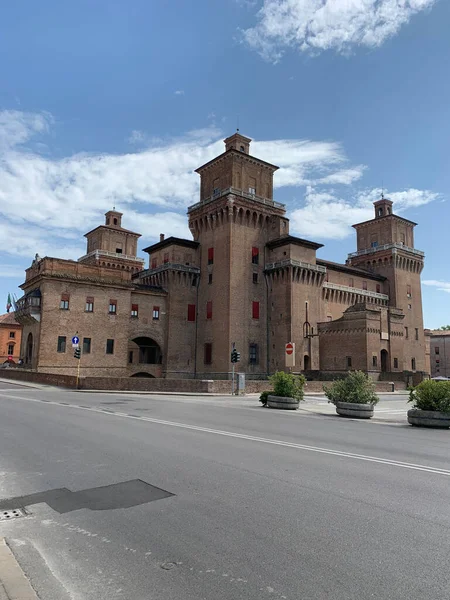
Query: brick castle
[[242, 279]]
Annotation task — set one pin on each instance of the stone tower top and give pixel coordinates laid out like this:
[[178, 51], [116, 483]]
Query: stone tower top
[[113, 218], [238, 142], [113, 246], [383, 207]]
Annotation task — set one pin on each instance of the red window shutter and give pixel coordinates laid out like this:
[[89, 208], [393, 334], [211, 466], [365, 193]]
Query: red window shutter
[[191, 312], [378, 288], [255, 251], [154, 263], [210, 255], [166, 257], [65, 297], [255, 310], [90, 300], [209, 309], [135, 307]]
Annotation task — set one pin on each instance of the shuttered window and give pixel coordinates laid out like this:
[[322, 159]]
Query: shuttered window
[[191, 312]]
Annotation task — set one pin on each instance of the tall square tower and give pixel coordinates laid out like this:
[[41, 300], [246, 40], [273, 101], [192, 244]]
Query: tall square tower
[[233, 221]]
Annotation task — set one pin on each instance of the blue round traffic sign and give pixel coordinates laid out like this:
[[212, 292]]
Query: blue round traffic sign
[[75, 340]]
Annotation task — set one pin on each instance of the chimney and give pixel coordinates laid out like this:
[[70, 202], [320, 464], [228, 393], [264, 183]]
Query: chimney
[[161, 237]]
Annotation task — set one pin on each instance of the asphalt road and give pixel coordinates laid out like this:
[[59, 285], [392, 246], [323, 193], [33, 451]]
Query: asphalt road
[[211, 498]]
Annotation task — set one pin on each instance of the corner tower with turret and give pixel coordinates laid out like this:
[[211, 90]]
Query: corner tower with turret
[[385, 245]]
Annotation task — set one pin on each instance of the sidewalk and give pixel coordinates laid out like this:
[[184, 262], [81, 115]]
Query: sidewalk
[[395, 413], [13, 583], [20, 383]]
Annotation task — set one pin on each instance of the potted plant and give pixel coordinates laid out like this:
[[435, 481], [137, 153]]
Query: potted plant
[[264, 398], [287, 391], [431, 404], [354, 396]]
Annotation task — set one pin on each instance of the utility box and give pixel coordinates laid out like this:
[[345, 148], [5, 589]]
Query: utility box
[[241, 384]]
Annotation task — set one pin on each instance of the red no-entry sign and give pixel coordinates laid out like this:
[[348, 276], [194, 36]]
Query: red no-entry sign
[[289, 348]]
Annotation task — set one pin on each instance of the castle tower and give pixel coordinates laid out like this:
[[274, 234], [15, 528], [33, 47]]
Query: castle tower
[[385, 245], [233, 221], [112, 246]]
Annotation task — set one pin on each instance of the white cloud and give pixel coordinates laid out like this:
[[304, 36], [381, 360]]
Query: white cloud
[[317, 25], [11, 271], [46, 204], [442, 286], [344, 176], [136, 137], [16, 127], [326, 215], [179, 93]]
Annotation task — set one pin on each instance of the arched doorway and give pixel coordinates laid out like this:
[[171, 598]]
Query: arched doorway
[[144, 351], [384, 361], [147, 375], [29, 349], [306, 362]]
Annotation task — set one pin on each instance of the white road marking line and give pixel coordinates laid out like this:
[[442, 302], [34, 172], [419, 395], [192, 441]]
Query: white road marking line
[[252, 438]]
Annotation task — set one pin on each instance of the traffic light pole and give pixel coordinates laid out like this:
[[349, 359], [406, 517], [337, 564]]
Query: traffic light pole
[[78, 373], [233, 347]]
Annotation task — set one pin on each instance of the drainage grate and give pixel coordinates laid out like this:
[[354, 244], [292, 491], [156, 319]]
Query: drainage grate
[[7, 515]]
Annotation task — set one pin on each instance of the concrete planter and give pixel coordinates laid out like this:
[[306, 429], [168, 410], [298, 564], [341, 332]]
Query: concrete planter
[[282, 403], [428, 418], [354, 410]]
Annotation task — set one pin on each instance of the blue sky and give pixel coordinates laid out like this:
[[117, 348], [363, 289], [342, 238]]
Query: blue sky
[[104, 104]]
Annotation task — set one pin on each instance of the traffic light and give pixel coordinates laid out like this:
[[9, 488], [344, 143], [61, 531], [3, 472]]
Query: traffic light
[[235, 356], [77, 353]]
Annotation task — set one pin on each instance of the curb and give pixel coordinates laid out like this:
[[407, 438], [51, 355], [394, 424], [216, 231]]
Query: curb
[[12, 579]]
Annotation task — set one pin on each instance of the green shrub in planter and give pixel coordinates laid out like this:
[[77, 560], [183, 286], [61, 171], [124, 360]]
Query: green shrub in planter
[[357, 388], [431, 395], [287, 385], [264, 397]]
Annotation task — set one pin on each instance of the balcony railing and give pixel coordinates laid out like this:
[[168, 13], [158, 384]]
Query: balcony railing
[[27, 309], [231, 190], [357, 291], [396, 245], [295, 263], [116, 255]]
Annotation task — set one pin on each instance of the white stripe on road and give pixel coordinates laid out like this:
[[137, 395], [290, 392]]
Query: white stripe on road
[[252, 438]]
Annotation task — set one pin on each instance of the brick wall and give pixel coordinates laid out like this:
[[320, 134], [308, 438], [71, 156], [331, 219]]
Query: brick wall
[[163, 385]]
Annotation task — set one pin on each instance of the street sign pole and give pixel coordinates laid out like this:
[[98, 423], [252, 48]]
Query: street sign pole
[[76, 345], [290, 355]]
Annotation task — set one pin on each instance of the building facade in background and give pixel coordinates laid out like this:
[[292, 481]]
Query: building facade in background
[[10, 338], [241, 280], [439, 352]]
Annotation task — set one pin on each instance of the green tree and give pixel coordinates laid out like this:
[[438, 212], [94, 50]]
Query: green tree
[[445, 328]]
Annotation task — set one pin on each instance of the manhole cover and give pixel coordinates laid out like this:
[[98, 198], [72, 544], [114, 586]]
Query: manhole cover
[[7, 515]]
